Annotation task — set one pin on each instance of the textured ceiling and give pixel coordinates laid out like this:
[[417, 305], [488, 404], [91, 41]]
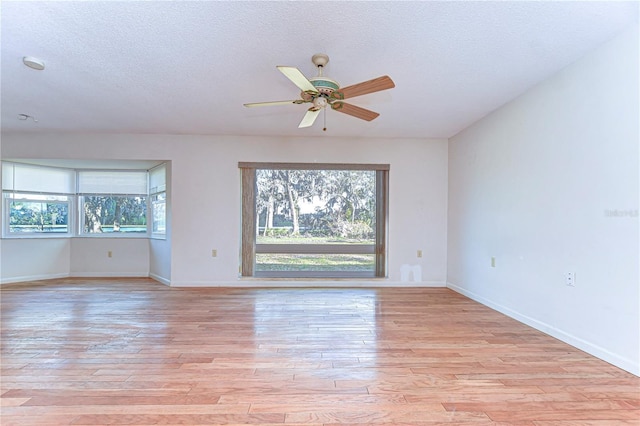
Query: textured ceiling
[[187, 67]]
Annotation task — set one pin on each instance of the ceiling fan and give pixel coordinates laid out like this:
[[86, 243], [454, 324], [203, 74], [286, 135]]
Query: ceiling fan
[[321, 91]]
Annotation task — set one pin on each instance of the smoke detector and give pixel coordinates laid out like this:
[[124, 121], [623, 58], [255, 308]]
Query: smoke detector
[[34, 63]]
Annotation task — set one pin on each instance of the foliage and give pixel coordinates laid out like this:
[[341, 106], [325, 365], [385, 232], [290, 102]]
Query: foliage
[[277, 232], [101, 211], [306, 262], [342, 202], [38, 214], [355, 230]]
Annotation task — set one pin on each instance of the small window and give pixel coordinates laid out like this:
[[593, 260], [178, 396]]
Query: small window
[[112, 214], [37, 200], [158, 193], [37, 214], [113, 202], [159, 212]]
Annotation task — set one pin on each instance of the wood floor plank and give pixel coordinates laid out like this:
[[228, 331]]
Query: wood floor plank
[[84, 351], [565, 415], [118, 408], [585, 423], [381, 416]]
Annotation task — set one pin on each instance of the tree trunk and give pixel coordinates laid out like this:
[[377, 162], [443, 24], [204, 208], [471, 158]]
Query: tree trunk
[[294, 215], [258, 225], [293, 205], [269, 219], [94, 224], [116, 218]]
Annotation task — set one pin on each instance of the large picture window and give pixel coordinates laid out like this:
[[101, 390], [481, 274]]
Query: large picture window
[[314, 220]]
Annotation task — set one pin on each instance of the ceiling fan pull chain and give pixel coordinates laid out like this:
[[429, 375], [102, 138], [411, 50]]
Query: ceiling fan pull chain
[[324, 129]]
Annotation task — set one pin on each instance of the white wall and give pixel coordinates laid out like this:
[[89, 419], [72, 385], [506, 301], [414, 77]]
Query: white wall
[[129, 257], [205, 193], [29, 259], [160, 260], [534, 185], [160, 249]]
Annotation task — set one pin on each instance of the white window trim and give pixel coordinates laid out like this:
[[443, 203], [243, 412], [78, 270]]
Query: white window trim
[[6, 208], [157, 235], [75, 214], [153, 191], [80, 222]]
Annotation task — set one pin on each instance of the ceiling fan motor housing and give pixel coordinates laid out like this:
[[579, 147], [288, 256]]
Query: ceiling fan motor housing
[[324, 85]]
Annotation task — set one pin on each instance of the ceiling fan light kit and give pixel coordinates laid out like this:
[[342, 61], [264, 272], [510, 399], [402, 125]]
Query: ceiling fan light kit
[[321, 91]]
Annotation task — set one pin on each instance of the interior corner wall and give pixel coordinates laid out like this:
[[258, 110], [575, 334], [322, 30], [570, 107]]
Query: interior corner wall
[[547, 185], [30, 259], [160, 260], [204, 195], [160, 249]]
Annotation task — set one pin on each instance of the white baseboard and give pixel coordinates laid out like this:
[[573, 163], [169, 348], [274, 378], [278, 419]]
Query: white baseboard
[[595, 350], [12, 280], [160, 279], [320, 283], [109, 275]]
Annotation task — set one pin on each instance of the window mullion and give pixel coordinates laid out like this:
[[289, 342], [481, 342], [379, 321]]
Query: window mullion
[[382, 197]]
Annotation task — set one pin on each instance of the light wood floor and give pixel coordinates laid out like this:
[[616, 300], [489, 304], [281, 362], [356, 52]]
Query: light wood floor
[[134, 352]]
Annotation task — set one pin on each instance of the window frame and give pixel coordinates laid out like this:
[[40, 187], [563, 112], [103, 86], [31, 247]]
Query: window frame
[[249, 247], [75, 200], [158, 235], [81, 194], [81, 219], [9, 196], [156, 188]]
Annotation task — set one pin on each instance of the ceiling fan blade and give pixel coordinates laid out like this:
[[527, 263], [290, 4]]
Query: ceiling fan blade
[[309, 118], [370, 86], [258, 104], [294, 74], [356, 111]]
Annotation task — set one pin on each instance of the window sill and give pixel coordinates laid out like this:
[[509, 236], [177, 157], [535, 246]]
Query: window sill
[[317, 279], [64, 237], [36, 236]]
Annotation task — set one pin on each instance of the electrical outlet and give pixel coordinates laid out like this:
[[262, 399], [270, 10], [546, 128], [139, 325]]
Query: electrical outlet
[[570, 279], [214, 253], [419, 253], [109, 254], [493, 262]]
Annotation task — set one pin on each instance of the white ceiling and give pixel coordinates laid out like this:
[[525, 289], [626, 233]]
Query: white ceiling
[[187, 67]]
